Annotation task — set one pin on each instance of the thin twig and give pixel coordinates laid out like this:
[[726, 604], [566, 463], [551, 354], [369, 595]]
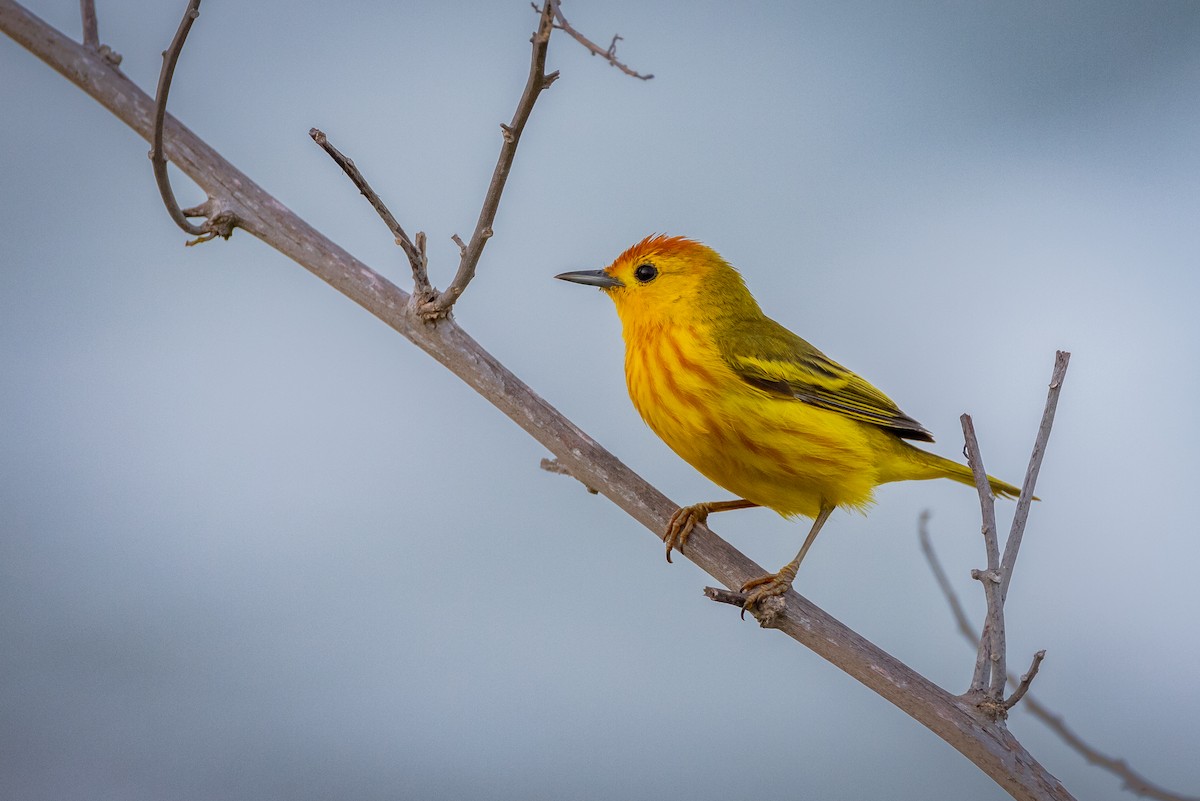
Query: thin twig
[[415, 254], [1061, 359], [989, 660], [609, 54], [157, 157], [1026, 680], [724, 596], [91, 27], [538, 80], [1133, 781]]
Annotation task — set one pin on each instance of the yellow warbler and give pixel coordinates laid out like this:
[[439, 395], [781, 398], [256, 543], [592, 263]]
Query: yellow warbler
[[748, 403]]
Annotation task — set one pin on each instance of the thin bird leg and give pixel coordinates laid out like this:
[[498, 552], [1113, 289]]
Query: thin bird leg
[[686, 517], [779, 583]]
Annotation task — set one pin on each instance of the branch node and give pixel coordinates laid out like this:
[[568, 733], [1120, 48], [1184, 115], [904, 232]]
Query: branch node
[[986, 575], [555, 466], [112, 57], [507, 133], [992, 709], [770, 612], [219, 222]]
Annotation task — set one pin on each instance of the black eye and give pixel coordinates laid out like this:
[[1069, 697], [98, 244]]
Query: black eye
[[645, 273]]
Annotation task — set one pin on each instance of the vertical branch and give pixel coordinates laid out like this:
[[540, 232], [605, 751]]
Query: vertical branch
[[1061, 359], [538, 80], [990, 658], [91, 28]]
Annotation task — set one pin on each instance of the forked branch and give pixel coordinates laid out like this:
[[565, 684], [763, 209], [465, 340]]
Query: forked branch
[[1132, 781], [510, 137], [991, 653]]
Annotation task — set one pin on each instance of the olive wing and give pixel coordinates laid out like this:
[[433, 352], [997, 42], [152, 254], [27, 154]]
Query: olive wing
[[770, 357]]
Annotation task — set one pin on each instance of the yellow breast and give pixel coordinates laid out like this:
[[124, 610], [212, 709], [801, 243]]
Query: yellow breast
[[777, 452]]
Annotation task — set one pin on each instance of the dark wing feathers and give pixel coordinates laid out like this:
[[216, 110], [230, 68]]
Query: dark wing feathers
[[766, 355]]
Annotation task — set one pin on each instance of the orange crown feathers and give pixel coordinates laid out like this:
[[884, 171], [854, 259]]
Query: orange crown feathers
[[661, 245]]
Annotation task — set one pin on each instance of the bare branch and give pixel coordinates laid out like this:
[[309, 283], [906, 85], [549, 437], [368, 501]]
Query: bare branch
[[538, 80], [989, 660], [416, 255], [1061, 359], [158, 160], [609, 54], [1132, 780], [91, 27], [1026, 680]]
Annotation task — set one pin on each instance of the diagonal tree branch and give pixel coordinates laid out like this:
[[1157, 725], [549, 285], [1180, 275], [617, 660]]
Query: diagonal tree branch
[[990, 747]]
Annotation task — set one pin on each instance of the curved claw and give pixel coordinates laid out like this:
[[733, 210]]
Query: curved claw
[[680, 526], [765, 587]]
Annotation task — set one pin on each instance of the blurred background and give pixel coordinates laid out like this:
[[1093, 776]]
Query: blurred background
[[254, 545]]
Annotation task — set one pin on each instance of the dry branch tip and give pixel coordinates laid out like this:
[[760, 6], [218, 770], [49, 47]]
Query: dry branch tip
[[418, 260], [609, 53], [1026, 680]]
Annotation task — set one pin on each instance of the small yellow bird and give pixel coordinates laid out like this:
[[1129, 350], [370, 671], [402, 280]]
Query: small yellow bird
[[748, 403]]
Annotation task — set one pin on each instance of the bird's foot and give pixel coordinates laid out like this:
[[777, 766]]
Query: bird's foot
[[680, 526], [767, 586]]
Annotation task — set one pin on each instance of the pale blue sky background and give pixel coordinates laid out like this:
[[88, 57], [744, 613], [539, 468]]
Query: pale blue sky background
[[253, 545]]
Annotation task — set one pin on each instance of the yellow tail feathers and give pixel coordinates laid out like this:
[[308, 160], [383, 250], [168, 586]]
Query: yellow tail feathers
[[923, 464]]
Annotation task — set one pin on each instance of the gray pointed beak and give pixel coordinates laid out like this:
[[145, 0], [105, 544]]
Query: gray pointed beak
[[591, 278]]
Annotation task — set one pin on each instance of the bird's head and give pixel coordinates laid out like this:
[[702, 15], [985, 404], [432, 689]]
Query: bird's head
[[669, 278]]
